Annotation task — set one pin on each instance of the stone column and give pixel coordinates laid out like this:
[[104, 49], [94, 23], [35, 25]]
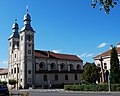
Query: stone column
[[59, 67], [68, 67]]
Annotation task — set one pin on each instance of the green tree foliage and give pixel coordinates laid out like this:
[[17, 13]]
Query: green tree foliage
[[114, 67], [90, 73], [12, 81], [104, 4], [3, 82]]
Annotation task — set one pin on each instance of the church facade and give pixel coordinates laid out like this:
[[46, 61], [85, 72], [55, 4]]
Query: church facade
[[38, 68]]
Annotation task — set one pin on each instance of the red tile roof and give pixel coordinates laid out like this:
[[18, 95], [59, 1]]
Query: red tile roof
[[52, 55], [3, 70], [107, 53]]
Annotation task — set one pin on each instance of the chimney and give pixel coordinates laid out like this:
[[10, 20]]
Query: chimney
[[118, 44], [111, 46]]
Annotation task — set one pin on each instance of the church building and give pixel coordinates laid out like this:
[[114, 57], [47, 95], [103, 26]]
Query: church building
[[39, 68]]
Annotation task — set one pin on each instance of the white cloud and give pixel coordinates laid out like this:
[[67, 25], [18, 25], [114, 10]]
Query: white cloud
[[83, 55], [4, 64], [102, 45], [89, 55], [57, 51], [86, 55]]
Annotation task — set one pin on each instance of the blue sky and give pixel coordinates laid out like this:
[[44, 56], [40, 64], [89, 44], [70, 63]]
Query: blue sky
[[65, 26]]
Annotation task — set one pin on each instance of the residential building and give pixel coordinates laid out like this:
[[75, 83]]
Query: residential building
[[4, 74], [103, 60]]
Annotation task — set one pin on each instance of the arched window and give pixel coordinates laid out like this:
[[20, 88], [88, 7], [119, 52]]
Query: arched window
[[52, 65], [41, 65], [76, 78], [71, 67], [78, 67], [45, 77], [56, 77], [62, 66], [66, 77]]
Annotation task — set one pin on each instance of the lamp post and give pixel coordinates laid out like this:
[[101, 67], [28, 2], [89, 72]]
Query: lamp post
[[102, 71]]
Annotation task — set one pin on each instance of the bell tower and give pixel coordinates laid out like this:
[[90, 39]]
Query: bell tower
[[27, 51], [13, 52]]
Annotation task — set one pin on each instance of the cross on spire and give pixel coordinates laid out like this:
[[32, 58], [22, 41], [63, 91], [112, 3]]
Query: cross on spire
[[27, 8], [15, 20]]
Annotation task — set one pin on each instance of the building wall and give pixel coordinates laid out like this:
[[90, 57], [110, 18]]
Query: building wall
[[106, 62], [57, 70], [4, 77], [39, 78]]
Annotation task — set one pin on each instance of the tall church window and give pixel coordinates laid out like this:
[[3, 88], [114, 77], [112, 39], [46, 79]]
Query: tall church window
[[41, 65], [71, 66], [15, 55], [11, 71], [52, 66], [29, 38], [14, 70], [29, 71], [21, 38], [56, 77], [78, 67], [66, 77], [62, 66], [45, 77], [18, 69]]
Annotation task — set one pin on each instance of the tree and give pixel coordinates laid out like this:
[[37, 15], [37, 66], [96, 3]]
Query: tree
[[90, 73], [104, 4], [12, 82], [114, 67]]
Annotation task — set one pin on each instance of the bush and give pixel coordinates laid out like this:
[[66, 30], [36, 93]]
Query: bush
[[93, 87]]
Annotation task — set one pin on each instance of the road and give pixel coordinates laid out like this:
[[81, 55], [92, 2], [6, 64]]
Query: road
[[61, 92]]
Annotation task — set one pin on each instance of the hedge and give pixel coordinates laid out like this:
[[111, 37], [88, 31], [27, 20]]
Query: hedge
[[92, 87]]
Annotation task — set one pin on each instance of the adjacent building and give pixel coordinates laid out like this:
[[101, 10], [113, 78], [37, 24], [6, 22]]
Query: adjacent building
[[104, 58], [4, 74], [38, 68]]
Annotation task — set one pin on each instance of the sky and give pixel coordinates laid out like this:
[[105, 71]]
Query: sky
[[62, 26]]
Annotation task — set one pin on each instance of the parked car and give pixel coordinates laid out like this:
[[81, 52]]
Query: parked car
[[4, 90]]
